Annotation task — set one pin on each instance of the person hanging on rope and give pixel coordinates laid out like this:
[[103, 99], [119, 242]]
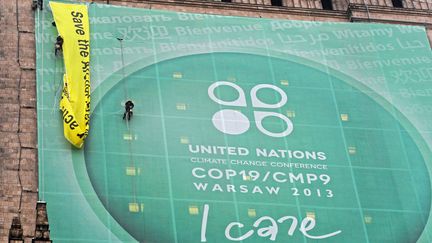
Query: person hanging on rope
[[129, 105], [58, 45]]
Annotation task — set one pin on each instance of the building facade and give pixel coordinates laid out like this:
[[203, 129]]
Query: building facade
[[18, 126]]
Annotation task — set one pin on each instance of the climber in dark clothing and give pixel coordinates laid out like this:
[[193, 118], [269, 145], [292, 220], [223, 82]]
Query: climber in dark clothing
[[129, 105], [58, 45]]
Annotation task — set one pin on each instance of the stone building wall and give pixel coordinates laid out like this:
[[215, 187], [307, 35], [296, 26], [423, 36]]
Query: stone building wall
[[18, 146], [18, 137]]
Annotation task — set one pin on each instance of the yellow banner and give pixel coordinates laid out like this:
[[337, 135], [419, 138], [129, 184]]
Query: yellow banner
[[73, 26]]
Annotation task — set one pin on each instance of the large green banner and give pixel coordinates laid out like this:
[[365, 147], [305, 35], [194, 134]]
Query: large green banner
[[243, 130]]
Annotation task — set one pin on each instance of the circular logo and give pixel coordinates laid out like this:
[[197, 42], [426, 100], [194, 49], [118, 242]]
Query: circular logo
[[230, 147]]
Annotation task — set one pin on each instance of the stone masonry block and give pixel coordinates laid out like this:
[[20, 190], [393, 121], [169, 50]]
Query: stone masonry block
[[25, 16], [27, 52]]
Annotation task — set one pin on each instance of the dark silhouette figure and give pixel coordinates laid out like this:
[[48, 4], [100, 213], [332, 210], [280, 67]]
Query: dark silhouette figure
[[129, 105], [58, 45]]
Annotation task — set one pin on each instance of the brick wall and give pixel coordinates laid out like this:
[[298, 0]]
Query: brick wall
[[18, 141], [18, 167]]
